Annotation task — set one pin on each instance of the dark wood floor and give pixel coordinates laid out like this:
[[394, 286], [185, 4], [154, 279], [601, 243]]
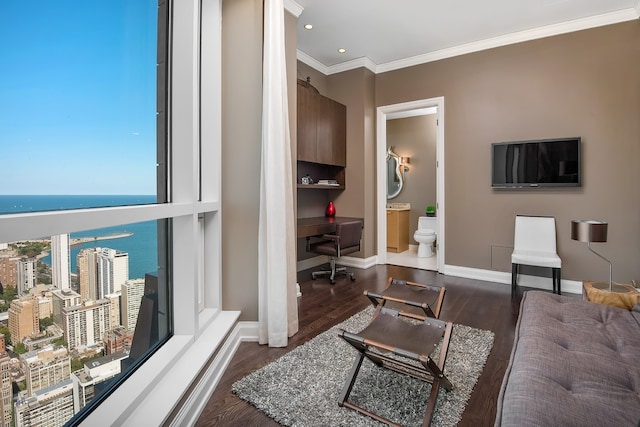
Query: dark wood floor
[[470, 302]]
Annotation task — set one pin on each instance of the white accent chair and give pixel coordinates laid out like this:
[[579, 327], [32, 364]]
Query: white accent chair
[[534, 244]]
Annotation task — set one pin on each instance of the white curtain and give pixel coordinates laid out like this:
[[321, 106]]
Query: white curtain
[[277, 311]]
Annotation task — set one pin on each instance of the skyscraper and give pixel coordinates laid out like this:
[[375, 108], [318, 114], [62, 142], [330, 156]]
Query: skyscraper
[[85, 324], [45, 368], [6, 392], [27, 274], [113, 271], [87, 269], [60, 267], [132, 293]]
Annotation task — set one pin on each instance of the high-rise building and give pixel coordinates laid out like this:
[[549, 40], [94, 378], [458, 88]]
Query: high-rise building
[[6, 391], [114, 309], [60, 256], [8, 270], [61, 299], [87, 269], [27, 274], [132, 293], [85, 324], [113, 271], [45, 368], [49, 407], [23, 318], [86, 381]]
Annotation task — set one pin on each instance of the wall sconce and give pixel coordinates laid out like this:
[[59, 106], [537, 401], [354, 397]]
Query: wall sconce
[[404, 161], [591, 231]]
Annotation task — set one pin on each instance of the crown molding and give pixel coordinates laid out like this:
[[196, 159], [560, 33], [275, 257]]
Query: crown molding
[[522, 36], [293, 7]]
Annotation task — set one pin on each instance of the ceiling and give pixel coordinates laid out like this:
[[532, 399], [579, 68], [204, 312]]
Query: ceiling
[[383, 35]]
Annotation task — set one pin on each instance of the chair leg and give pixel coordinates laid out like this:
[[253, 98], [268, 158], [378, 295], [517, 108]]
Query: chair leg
[[557, 281], [514, 278]]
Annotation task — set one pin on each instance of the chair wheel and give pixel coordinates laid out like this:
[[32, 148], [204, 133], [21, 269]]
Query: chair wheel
[[353, 278], [333, 282], [313, 277]]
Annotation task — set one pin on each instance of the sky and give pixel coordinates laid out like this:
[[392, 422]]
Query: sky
[[78, 97]]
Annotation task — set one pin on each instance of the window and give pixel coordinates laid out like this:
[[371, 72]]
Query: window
[[85, 135]]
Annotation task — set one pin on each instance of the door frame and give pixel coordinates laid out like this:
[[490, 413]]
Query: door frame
[[384, 113]]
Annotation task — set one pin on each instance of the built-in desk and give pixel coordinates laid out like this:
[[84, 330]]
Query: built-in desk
[[321, 225]]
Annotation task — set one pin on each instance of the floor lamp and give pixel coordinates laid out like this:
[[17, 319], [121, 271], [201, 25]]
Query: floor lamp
[[591, 231]]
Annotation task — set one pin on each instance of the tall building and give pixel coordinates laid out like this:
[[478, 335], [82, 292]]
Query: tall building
[[6, 391], [61, 299], [132, 293], [114, 309], [8, 270], [60, 257], [117, 340], [87, 269], [113, 271], [23, 318], [27, 274], [86, 324], [45, 368], [49, 407], [86, 381]]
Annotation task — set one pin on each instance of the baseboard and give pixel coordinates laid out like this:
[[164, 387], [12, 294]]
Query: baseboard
[[568, 286], [362, 263], [199, 397]]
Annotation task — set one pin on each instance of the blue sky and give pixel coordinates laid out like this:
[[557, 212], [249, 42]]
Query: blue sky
[[77, 97]]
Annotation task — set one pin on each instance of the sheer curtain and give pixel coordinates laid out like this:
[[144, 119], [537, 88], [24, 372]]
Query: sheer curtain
[[277, 311]]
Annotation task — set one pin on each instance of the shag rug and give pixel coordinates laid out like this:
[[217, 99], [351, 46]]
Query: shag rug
[[302, 387]]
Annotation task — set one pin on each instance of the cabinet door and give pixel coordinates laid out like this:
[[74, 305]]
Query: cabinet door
[[392, 231], [332, 132], [307, 122]]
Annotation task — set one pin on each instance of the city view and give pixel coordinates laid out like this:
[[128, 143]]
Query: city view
[[67, 328]]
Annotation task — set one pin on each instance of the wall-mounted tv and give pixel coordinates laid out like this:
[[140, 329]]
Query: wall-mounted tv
[[534, 164]]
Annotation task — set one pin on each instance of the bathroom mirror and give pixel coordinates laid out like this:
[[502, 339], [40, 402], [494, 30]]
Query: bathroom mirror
[[395, 180]]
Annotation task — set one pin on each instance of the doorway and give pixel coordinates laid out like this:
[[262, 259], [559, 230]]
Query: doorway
[[389, 112]]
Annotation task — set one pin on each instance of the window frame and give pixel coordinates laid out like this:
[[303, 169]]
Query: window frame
[[200, 327]]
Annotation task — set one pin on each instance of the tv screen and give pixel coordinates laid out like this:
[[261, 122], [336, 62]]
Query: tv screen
[[531, 164]]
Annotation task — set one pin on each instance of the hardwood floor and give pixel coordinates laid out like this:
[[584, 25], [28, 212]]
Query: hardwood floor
[[474, 303]]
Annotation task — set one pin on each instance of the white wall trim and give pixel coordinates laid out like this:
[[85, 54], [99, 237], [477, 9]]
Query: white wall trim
[[507, 39], [293, 7], [568, 286], [361, 263]]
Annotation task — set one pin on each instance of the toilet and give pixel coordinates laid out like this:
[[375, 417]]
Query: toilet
[[425, 235]]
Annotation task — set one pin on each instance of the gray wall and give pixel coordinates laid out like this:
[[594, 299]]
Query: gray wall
[[584, 84], [241, 147]]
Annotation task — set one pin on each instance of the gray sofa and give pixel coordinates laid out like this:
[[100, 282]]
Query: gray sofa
[[573, 363]]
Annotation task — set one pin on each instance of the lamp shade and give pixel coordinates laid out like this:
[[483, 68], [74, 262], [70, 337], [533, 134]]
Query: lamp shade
[[589, 230]]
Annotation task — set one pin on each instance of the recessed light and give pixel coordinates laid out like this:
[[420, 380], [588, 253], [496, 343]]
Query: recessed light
[[308, 26], [342, 50]]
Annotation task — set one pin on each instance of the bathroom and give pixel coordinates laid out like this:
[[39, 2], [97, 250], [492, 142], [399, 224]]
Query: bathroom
[[412, 137]]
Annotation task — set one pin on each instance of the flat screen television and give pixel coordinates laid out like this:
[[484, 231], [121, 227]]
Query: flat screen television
[[534, 164]]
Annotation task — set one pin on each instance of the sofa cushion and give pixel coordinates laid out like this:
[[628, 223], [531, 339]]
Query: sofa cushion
[[573, 363]]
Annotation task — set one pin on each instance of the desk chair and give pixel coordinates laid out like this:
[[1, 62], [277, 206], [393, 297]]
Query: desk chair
[[346, 240], [535, 244]]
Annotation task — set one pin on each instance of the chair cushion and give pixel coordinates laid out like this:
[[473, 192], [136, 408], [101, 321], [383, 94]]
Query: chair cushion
[[540, 259]]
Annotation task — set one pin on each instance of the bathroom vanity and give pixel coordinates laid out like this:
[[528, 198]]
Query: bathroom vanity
[[397, 229]]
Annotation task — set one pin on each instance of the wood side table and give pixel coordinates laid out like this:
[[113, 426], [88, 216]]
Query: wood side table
[[621, 295]]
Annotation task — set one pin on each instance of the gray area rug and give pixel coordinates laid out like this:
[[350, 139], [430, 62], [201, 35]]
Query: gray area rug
[[302, 387]]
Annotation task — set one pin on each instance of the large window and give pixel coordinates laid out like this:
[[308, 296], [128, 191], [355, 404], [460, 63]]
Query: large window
[[109, 242]]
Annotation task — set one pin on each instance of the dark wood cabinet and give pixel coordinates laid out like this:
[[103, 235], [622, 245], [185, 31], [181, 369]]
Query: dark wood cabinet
[[322, 127]]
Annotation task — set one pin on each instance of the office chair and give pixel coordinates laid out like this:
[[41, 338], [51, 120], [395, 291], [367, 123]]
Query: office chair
[[534, 244], [346, 240]]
